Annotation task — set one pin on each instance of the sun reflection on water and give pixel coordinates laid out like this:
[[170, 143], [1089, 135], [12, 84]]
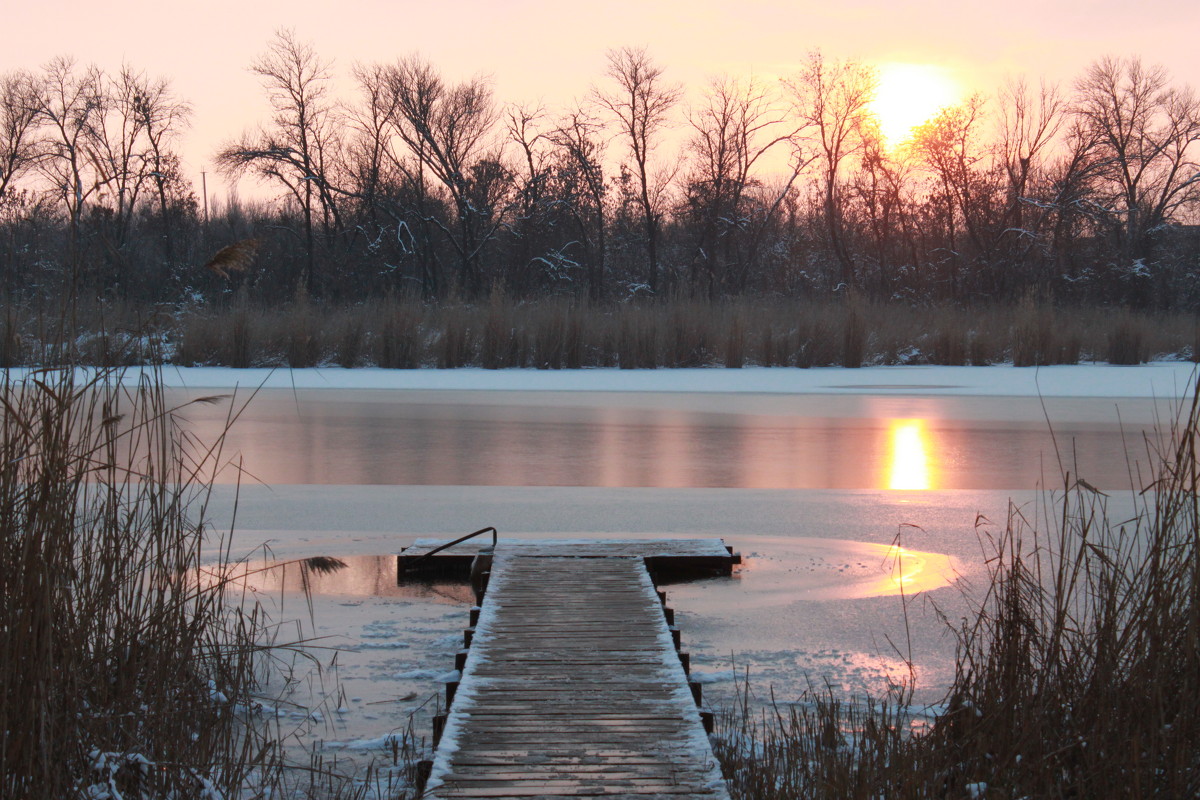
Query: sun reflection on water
[[913, 571], [909, 463], [348, 576], [906, 569]]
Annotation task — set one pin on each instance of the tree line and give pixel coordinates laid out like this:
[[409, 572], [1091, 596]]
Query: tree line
[[425, 187]]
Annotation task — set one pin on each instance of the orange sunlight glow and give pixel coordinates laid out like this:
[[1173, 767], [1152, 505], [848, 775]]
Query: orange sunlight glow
[[908, 95], [908, 467], [905, 571], [912, 571]]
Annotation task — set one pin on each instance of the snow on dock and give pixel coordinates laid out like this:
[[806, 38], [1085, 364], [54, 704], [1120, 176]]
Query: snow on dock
[[573, 685]]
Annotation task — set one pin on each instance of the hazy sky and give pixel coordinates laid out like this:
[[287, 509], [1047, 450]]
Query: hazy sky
[[538, 49]]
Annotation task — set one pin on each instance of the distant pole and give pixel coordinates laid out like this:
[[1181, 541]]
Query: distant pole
[[204, 189]]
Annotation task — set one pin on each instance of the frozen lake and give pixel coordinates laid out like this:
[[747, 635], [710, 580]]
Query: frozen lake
[[332, 437], [814, 488]]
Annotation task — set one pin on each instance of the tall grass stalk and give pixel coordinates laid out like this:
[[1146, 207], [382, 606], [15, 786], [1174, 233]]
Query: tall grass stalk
[[121, 674]]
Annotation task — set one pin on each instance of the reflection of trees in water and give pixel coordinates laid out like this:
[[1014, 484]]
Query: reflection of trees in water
[[351, 576], [336, 442]]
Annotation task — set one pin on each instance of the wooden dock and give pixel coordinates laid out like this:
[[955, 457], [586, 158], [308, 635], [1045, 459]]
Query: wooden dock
[[665, 558], [573, 686]]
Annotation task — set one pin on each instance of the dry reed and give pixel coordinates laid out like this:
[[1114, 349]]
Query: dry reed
[[561, 333], [236, 257], [119, 673]]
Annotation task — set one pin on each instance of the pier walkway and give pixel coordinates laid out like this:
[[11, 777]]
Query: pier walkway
[[573, 685]]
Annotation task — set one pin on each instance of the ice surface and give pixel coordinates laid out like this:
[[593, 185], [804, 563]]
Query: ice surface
[[422, 674], [1158, 379], [812, 605]]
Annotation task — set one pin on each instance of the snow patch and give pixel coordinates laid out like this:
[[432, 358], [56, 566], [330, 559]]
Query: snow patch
[[1161, 379], [215, 694], [713, 677], [395, 644]]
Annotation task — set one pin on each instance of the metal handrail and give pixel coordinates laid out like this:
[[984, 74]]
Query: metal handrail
[[409, 565]]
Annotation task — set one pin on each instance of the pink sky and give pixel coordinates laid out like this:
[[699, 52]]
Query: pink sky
[[537, 49]]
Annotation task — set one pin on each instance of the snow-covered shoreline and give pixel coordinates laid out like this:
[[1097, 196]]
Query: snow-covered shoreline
[[1160, 380]]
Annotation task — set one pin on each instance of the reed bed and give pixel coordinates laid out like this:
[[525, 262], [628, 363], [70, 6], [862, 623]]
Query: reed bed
[[501, 333], [119, 674], [128, 669], [1078, 674]]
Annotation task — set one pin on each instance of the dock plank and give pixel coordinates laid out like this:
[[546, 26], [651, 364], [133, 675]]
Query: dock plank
[[581, 548], [572, 687]]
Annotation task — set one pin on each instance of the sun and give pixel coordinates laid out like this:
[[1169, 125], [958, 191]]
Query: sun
[[908, 95]]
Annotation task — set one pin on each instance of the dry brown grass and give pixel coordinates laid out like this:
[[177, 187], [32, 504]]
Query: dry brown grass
[[455, 339], [1040, 336], [854, 334], [117, 669], [399, 338], [12, 349], [566, 334], [236, 257], [501, 344], [1126, 340], [130, 666]]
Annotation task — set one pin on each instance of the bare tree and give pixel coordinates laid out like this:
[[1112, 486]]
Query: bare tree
[[106, 142], [1029, 124], [581, 173], [640, 103], [369, 147], [21, 101], [830, 99], [550, 192], [737, 124], [949, 147], [522, 123], [1146, 134], [121, 153], [1067, 195], [299, 147], [73, 102], [162, 117], [389, 184], [882, 188], [448, 131]]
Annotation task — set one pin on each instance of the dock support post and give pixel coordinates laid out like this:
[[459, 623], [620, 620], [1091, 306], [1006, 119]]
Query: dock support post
[[424, 769], [439, 725]]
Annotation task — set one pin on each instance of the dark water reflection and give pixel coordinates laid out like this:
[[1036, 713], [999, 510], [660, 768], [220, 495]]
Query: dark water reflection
[[411, 438], [353, 576]]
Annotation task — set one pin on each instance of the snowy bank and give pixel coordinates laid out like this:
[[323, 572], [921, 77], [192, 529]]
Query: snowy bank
[[1155, 380]]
